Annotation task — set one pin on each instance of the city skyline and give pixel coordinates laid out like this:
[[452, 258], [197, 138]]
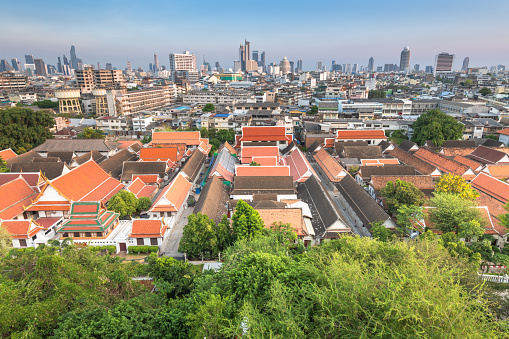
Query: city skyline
[[109, 35]]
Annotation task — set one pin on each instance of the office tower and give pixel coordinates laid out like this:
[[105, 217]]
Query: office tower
[[66, 62], [355, 68], [292, 68], [262, 61], [51, 69], [416, 67], [319, 65], [108, 66], [29, 59], [59, 65], [501, 68], [74, 59], [333, 64], [255, 56], [379, 68], [284, 66], [404, 61], [466, 61], [428, 69], [245, 57], [443, 62], [371, 64], [4, 66], [129, 67], [14, 63], [151, 67], [156, 63], [237, 67], [347, 68], [217, 65], [183, 62], [299, 64], [40, 67]]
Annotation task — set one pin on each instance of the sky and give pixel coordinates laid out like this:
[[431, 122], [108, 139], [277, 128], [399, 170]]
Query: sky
[[345, 31]]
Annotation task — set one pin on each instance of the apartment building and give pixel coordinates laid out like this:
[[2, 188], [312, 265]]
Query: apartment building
[[129, 102], [12, 81], [217, 97], [89, 78]]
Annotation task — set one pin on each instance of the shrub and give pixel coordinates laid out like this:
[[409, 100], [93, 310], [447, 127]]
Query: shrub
[[110, 248], [143, 249]]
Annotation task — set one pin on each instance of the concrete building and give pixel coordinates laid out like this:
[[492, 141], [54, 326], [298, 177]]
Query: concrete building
[[284, 66], [404, 62], [183, 62], [88, 79], [129, 102], [69, 100], [40, 67], [443, 63], [12, 81]]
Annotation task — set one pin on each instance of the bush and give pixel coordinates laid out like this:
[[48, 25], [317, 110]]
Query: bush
[[110, 248], [143, 249]]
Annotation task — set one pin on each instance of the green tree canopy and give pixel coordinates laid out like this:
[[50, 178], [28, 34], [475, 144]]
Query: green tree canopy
[[3, 166], [90, 133], [46, 104], [22, 129], [449, 211], [485, 91], [199, 237], [208, 108], [144, 204], [226, 135], [452, 183], [376, 93], [246, 221], [123, 202], [400, 193], [313, 110], [436, 126]]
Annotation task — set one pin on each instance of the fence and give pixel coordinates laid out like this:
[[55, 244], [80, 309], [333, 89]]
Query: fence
[[495, 278]]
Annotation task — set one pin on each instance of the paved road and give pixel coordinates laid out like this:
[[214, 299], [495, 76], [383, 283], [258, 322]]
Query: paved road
[[333, 193], [171, 244]]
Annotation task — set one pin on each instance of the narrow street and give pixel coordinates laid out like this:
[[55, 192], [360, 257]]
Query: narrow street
[[171, 243]]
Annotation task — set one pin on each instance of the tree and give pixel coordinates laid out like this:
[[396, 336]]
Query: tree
[[90, 133], [492, 137], [23, 129], [400, 193], [254, 163], [485, 91], [208, 108], [199, 237], [470, 229], [5, 241], [468, 82], [436, 126], [313, 110], [144, 203], [3, 166], [226, 135], [380, 232], [224, 234], [123, 202], [452, 183], [46, 104], [408, 217], [398, 136], [449, 211], [146, 139], [376, 93], [246, 221]]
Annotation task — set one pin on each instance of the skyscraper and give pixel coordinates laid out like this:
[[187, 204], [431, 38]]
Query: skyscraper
[[255, 56], [156, 63], [404, 63], [371, 64], [40, 67], [59, 65], [466, 61], [66, 62], [417, 67], [4, 66], [443, 62], [74, 60], [355, 68], [319, 65], [284, 66], [183, 62], [299, 65], [29, 59], [292, 66], [262, 61], [108, 66], [245, 56], [14, 63]]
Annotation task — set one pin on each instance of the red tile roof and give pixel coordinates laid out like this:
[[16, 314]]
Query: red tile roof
[[148, 178], [186, 137], [293, 216], [266, 161], [474, 165], [88, 182], [498, 171], [379, 162], [491, 186], [504, 131], [21, 229], [159, 154], [14, 197], [265, 133], [423, 182], [33, 179], [443, 163], [453, 151], [143, 228], [7, 154], [331, 167], [247, 153], [300, 169], [262, 171], [173, 196], [420, 165], [126, 144], [360, 134], [139, 189]]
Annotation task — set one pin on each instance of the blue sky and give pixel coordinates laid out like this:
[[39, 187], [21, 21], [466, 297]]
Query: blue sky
[[345, 31]]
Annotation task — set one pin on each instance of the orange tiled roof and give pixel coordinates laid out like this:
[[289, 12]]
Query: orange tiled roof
[[88, 182], [495, 208], [420, 165], [334, 171], [14, 197], [266, 161], [474, 165], [379, 162], [293, 216], [453, 151], [262, 171], [126, 144], [148, 178], [423, 182], [143, 228], [300, 169], [247, 153], [185, 137], [443, 163], [7, 154], [497, 171], [228, 147], [159, 153], [360, 134], [504, 131], [139, 189], [491, 186], [264, 133], [173, 196], [21, 229]]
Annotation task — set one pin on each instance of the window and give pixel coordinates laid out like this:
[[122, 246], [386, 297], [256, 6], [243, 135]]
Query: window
[[140, 242], [153, 241], [99, 234], [65, 235], [88, 235], [76, 234], [22, 242]]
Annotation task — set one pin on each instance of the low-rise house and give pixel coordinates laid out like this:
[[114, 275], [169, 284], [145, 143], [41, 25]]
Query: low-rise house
[[500, 172], [7, 154], [50, 170], [266, 155], [247, 188], [140, 189], [88, 219], [444, 164], [15, 195], [24, 233], [300, 168], [261, 171], [409, 146], [503, 136], [224, 166], [364, 174], [214, 200], [193, 165], [94, 155], [173, 198], [386, 146], [420, 165], [489, 156], [79, 146], [147, 232], [64, 156], [474, 165], [361, 152], [150, 172], [191, 139], [372, 137], [170, 155], [359, 205], [379, 162], [133, 146], [22, 158], [330, 166], [272, 134], [114, 164]]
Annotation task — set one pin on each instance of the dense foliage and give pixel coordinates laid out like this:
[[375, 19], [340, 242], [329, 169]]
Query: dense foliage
[[436, 126], [400, 193], [208, 108], [90, 133], [452, 213], [22, 129], [452, 183], [246, 221], [125, 203], [376, 93], [267, 288], [46, 104]]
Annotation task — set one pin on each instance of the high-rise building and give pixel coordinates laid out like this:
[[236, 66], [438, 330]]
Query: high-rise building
[[40, 67], [416, 67], [371, 64], [428, 69], [347, 68], [29, 59], [5, 66], [66, 62], [59, 65], [217, 65], [255, 56], [151, 67], [183, 62], [379, 69], [404, 61], [245, 55], [466, 61], [156, 63], [14, 63], [299, 65], [355, 68], [319, 65], [237, 67], [443, 62], [74, 59], [292, 66], [108, 66], [90, 78], [262, 61], [284, 66]]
